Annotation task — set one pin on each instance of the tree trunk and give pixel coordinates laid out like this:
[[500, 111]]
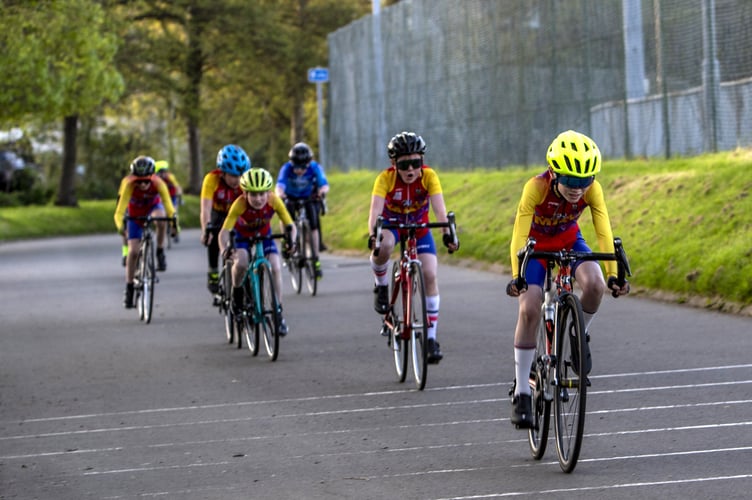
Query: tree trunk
[[194, 145], [66, 195], [194, 71]]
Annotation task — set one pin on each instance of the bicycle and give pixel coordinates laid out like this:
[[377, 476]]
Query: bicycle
[[559, 372], [302, 263], [406, 321], [261, 312], [146, 274]]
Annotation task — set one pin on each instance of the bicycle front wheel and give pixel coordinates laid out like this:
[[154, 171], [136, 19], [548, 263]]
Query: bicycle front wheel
[[269, 312], [149, 272], [138, 280], [225, 305], [295, 266], [310, 263], [418, 318], [570, 397], [541, 392], [398, 343]]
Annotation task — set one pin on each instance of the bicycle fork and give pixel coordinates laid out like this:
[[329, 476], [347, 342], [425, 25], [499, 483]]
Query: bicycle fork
[[548, 358]]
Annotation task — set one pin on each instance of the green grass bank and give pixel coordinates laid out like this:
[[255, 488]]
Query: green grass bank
[[686, 223]]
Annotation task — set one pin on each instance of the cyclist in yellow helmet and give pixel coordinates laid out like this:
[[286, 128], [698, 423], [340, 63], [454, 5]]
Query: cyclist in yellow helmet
[[249, 215], [549, 209]]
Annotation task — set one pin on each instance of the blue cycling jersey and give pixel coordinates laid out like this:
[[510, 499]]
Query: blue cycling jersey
[[301, 186]]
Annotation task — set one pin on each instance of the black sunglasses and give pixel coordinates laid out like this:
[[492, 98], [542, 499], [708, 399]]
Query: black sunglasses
[[575, 182], [406, 164], [143, 181]]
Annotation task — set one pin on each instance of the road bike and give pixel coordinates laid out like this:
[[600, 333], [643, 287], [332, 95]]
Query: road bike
[[302, 264], [406, 321], [146, 269], [260, 314], [559, 372]]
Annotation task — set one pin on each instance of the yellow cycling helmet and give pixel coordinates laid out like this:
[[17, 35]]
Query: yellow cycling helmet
[[161, 165], [574, 154], [256, 180]]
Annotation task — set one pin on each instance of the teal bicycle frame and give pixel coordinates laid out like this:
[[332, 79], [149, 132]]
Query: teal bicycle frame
[[261, 312]]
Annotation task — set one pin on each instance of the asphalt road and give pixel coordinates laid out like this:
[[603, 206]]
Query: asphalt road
[[95, 404]]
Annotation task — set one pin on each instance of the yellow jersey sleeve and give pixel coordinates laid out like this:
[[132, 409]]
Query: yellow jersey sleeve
[[238, 207], [602, 224], [533, 194], [209, 186], [279, 207], [124, 197]]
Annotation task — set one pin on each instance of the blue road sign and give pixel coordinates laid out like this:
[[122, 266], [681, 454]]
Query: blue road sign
[[318, 75]]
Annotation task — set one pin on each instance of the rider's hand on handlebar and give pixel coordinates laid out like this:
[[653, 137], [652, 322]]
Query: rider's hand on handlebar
[[289, 248], [372, 241], [516, 287], [227, 253], [616, 290], [449, 243]]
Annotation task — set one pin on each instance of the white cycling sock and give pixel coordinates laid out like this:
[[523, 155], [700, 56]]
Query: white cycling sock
[[380, 273], [523, 360], [432, 311], [587, 318]]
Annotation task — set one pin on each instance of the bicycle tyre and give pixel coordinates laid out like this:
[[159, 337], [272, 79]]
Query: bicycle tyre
[[538, 434], [310, 263], [149, 279], [398, 344], [269, 313], [138, 280], [225, 305], [571, 392], [250, 329], [294, 264], [418, 324]]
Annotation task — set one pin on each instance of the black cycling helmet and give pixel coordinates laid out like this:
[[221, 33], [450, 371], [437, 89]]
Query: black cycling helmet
[[406, 143], [301, 153], [142, 166]]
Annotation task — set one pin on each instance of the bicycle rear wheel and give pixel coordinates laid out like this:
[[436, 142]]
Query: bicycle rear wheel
[[309, 268], [541, 394], [418, 324], [225, 305], [398, 344], [270, 312], [148, 274], [570, 397]]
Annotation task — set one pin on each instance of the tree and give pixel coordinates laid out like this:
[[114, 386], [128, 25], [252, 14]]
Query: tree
[[307, 24], [58, 55], [171, 47]]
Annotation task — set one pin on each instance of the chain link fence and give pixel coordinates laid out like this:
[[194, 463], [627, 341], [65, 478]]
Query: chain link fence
[[489, 83]]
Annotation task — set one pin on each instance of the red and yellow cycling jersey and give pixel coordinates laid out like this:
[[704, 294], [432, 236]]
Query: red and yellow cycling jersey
[[171, 181], [216, 189], [140, 202], [407, 203], [248, 221], [550, 219]]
